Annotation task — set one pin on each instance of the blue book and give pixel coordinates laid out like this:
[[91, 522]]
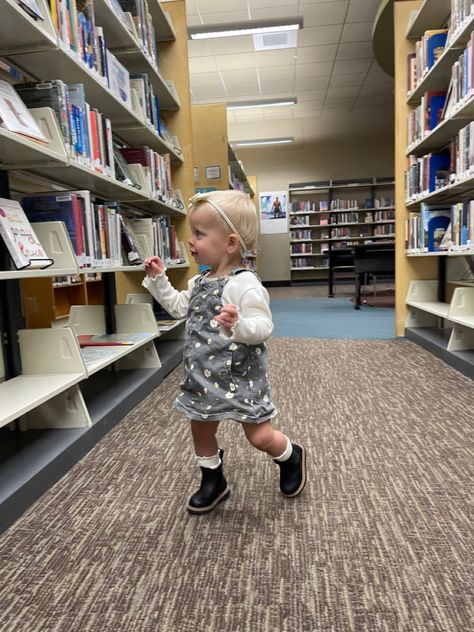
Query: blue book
[[435, 219], [439, 170], [77, 96], [435, 43], [434, 106]]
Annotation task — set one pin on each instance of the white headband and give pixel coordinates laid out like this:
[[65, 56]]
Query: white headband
[[202, 197]]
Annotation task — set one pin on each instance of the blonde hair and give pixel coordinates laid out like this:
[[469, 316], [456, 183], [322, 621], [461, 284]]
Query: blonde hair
[[238, 207]]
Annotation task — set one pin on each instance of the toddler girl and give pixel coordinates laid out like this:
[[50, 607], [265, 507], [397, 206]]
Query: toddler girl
[[225, 357]]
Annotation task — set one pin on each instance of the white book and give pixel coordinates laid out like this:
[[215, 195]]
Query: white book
[[20, 238], [119, 80], [15, 116]]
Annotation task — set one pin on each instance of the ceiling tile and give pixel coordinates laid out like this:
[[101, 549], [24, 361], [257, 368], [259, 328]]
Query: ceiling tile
[[205, 79], [357, 32], [216, 6], [320, 69], [273, 11], [276, 114], [235, 62], [343, 91], [304, 84], [339, 103], [275, 58], [213, 92], [376, 89], [249, 115], [348, 66], [262, 4], [202, 64], [232, 77], [249, 90], [277, 88], [362, 10], [199, 49], [332, 111], [320, 14], [309, 106], [311, 95], [307, 115], [284, 73], [309, 54], [367, 99], [355, 50], [232, 45], [319, 35], [354, 79], [218, 17]]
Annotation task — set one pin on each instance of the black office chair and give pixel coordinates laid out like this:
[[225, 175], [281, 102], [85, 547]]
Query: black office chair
[[372, 260], [340, 260]]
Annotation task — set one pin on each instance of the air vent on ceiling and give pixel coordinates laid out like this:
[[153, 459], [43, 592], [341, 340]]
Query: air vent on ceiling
[[269, 41]]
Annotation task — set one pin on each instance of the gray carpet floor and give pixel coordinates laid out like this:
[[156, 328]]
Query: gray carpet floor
[[380, 540]]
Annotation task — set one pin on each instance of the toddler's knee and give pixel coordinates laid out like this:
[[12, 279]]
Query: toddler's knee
[[261, 440]]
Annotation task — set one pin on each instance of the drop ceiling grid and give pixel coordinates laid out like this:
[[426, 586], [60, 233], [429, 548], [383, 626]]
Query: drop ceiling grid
[[332, 72]]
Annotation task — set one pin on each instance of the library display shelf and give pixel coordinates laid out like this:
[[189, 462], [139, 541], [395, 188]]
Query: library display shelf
[[31, 462], [51, 365], [20, 32], [425, 312], [130, 319], [164, 28], [430, 15]]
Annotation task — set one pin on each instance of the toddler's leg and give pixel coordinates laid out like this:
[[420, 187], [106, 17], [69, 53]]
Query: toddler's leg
[[290, 457], [213, 489]]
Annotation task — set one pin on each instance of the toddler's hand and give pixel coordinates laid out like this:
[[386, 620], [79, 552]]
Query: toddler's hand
[[228, 317], [154, 266]]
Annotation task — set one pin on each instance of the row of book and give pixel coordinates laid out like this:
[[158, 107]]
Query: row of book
[[439, 227], [86, 132], [462, 77], [297, 249], [303, 262], [461, 12], [156, 169], [100, 235], [338, 204], [75, 23], [426, 174], [427, 52], [426, 116], [345, 218]]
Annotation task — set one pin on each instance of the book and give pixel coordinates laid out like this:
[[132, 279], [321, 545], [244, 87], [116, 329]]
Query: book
[[15, 116], [20, 238], [435, 219], [32, 8], [129, 244], [119, 79], [110, 340]]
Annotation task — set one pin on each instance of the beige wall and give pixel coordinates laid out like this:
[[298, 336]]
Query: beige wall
[[275, 167]]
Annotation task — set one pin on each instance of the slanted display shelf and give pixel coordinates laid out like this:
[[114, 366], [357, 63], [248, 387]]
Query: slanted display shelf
[[164, 28], [137, 320], [20, 32], [449, 326], [19, 152]]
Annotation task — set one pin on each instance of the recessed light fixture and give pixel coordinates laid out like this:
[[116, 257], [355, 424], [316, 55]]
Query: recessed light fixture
[[250, 27], [263, 141], [269, 103]]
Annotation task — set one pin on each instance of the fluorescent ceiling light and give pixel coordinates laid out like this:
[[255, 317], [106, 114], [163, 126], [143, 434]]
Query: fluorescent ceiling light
[[270, 103], [262, 141], [251, 27]]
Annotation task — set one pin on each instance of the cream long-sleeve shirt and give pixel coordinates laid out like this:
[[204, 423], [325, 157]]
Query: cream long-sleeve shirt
[[244, 290]]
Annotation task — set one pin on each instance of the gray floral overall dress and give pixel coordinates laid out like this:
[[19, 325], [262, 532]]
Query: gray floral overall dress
[[224, 379]]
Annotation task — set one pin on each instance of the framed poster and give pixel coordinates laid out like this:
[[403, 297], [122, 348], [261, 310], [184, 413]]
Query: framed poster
[[213, 172], [273, 212]]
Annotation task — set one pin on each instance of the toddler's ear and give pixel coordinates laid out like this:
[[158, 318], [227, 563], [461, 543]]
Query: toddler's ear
[[233, 243]]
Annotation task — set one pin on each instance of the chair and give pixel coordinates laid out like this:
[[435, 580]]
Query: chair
[[372, 260]]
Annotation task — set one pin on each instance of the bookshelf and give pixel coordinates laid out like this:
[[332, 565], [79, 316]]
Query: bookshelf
[[68, 397], [336, 213], [212, 149], [433, 309]]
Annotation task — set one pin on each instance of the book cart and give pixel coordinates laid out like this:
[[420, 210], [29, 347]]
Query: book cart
[[424, 312], [57, 400], [332, 214]]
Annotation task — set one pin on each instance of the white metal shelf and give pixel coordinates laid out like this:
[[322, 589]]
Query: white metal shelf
[[437, 78], [19, 31], [164, 28], [430, 15], [449, 193], [111, 354]]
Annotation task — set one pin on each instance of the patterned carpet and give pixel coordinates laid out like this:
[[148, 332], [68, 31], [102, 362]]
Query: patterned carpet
[[379, 541]]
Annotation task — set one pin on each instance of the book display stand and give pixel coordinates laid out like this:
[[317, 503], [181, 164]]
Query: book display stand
[[64, 397], [424, 313]]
